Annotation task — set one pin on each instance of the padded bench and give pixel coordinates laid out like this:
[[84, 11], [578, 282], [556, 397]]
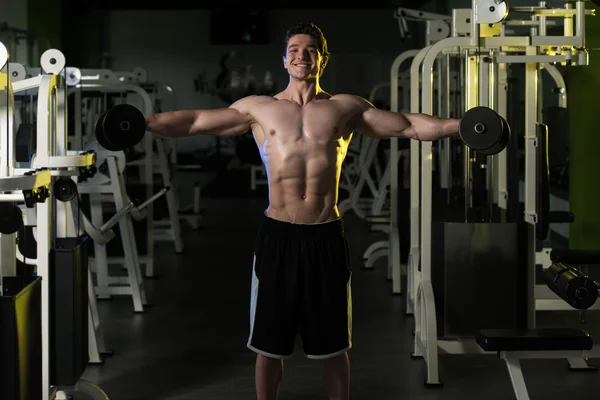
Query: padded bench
[[513, 345]]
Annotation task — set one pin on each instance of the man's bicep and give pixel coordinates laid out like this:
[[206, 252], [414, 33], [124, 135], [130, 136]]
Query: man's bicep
[[222, 122], [382, 123]]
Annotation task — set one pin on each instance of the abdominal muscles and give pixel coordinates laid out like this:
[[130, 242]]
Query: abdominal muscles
[[303, 182]]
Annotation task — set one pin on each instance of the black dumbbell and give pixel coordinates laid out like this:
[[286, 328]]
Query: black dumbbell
[[120, 127], [484, 131]]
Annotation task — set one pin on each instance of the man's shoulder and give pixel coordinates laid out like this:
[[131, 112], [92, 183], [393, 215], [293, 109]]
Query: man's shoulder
[[355, 102], [249, 104], [345, 97], [257, 99]]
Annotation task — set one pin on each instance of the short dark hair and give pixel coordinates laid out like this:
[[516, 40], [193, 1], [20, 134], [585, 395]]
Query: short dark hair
[[306, 28]]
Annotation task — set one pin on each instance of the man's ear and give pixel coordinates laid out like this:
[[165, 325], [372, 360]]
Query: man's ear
[[285, 63], [324, 62]]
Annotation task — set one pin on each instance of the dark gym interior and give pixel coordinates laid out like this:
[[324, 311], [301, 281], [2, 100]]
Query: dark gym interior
[[190, 340]]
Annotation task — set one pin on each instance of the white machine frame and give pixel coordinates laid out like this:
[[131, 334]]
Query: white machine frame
[[421, 296], [437, 29], [52, 218], [107, 81], [52, 160], [133, 284]]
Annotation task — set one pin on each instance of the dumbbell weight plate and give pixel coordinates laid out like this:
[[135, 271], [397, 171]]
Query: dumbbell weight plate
[[124, 126], [501, 145], [481, 128], [101, 135]]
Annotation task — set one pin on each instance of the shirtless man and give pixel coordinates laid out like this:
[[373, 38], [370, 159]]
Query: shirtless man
[[301, 271]]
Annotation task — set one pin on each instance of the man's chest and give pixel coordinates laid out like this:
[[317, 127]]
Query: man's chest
[[311, 122]]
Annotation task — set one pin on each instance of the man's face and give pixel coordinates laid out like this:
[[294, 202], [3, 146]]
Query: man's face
[[303, 61]]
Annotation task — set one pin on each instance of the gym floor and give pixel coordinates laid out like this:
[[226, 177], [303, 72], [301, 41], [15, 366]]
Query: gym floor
[[191, 345]]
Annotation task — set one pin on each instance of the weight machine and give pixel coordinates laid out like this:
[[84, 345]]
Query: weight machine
[[64, 331], [55, 341], [491, 237], [101, 183], [106, 83], [111, 182], [575, 289]]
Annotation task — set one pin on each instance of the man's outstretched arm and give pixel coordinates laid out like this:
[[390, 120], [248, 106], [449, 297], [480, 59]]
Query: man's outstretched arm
[[428, 128], [377, 123], [231, 121]]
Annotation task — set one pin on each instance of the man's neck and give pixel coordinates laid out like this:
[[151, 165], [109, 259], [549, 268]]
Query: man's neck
[[302, 92]]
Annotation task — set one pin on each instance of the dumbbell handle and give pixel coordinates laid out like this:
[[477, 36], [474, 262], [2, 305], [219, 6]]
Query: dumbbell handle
[[104, 234], [138, 213], [115, 218], [129, 208], [153, 198], [98, 237]]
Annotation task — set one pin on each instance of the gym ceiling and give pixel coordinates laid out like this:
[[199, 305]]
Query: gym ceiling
[[215, 4]]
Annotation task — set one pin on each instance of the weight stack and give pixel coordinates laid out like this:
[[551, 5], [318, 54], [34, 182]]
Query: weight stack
[[68, 310], [21, 338], [481, 275]]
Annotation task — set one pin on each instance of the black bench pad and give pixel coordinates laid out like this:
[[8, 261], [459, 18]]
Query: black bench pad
[[534, 339]]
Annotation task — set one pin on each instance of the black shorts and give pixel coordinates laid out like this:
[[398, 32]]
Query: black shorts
[[301, 284]]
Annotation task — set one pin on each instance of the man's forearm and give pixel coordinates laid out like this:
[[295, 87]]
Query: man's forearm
[[172, 124], [448, 127], [427, 128]]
